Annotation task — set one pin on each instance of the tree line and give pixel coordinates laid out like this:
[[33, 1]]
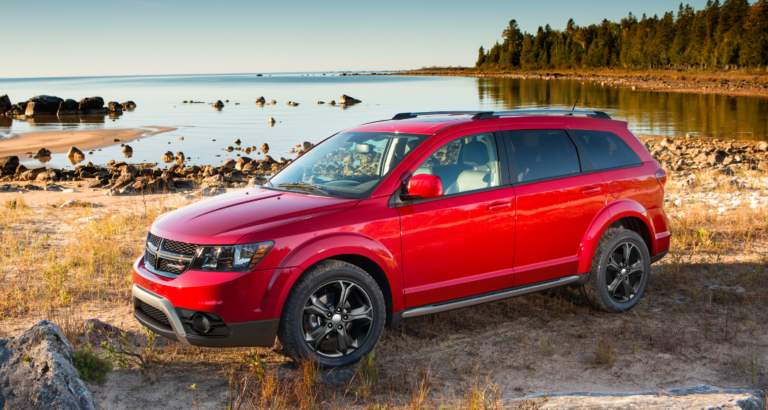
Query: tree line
[[731, 35]]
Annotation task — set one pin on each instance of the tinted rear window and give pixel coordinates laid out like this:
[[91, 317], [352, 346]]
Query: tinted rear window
[[606, 149], [541, 154]]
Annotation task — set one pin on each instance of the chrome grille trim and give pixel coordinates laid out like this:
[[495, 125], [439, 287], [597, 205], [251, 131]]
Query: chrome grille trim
[[156, 256]]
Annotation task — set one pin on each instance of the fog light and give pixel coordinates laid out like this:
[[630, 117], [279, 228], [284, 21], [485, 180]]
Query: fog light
[[201, 323]]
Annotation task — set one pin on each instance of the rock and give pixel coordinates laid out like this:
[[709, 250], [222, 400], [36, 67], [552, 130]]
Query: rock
[[42, 152], [114, 106], [183, 184], [716, 158], [238, 142], [763, 146], [42, 105], [127, 151], [92, 105], [5, 103], [73, 202], [230, 148], [319, 102], [260, 100], [37, 371], [20, 169], [123, 180], [306, 145], [332, 102], [47, 175], [209, 171], [18, 109], [269, 160], [345, 99], [294, 104], [179, 157], [215, 181], [247, 150], [129, 105], [68, 107], [265, 148], [129, 170], [218, 104], [273, 102], [230, 163], [8, 165], [256, 181], [167, 157], [271, 121], [738, 290], [75, 155], [31, 175], [97, 331], [209, 191]]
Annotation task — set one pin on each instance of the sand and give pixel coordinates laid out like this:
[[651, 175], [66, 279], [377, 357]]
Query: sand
[[61, 141]]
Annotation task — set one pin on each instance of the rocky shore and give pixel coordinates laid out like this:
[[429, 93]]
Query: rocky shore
[[651, 82], [46, 105]]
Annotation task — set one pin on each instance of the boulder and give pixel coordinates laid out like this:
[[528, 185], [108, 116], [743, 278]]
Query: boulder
[[123, 180], [209, 171], [230, 163], [31, 175], [41, 153], [261, 100], [18, 109], [332, 102], [294, 104], [167, 157], [218, 104], [75, 155], [215, 181], [128, 105], [763, 146], [271, 121], [114, 106], [127, 151], [47, 175], [68, 107], [265, 147], [273, 102], [129, 170], [179, 157], [320, 102], [37, 371], [238, 142], [8, 165], [92, 105], [345, 99], [42, 105], [5, 103], [306, 145]]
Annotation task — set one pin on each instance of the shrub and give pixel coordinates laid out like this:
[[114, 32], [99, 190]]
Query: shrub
[[91, 367]]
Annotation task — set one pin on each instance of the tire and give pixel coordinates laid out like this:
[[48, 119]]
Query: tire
[[606, 289], [312, 326]]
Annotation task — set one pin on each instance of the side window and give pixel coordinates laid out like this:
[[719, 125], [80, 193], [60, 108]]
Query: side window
[[543, 154], [606, 149], [464, 164]]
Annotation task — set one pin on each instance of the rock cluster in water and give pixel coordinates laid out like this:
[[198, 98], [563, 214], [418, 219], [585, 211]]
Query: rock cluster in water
[[42, 105]]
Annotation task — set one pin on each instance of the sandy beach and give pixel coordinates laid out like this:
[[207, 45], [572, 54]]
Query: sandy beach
[[61, 141]]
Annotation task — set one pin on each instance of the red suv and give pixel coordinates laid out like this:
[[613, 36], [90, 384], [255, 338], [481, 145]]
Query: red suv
[[395, 219]]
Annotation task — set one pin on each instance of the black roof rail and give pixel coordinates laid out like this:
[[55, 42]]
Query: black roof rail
[[484, 115]]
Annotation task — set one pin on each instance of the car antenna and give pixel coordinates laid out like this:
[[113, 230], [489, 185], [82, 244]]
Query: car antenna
[[577, 100]]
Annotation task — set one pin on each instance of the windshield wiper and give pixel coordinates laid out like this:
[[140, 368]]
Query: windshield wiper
[[305, 185]]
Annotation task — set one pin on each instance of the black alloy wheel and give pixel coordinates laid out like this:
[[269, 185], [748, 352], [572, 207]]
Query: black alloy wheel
[[337, 318], [624, 272]]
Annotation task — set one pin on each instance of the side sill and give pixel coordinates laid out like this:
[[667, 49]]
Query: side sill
[[484, 298]]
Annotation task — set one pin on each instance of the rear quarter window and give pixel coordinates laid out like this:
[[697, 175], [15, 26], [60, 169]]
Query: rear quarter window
[[606, 150]]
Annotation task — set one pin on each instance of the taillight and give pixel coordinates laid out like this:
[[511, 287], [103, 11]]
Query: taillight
[[661, 176]]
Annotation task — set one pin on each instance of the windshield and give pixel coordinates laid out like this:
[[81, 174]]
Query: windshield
[[349, 164]]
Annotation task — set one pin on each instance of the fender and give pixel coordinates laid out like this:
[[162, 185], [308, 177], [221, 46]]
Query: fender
[[608, 215], [327, 246]]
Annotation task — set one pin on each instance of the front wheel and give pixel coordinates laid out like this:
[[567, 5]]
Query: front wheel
[[620, 271], [334, 315]]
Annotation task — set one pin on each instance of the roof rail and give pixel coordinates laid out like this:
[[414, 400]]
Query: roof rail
[[484, 115]]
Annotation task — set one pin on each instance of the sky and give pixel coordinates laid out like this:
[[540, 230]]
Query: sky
[[46, 38]]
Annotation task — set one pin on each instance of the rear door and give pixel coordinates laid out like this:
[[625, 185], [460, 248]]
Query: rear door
[[558, 194], [462, 243]]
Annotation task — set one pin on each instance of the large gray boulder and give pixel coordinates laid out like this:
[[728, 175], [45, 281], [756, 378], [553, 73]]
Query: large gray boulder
[[5, 103], [42, 105], [36, 372]]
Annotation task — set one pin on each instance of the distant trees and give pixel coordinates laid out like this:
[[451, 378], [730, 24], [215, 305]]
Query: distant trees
[[734, 34]]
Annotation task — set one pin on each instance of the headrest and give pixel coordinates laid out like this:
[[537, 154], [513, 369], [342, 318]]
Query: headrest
[[475, 153]]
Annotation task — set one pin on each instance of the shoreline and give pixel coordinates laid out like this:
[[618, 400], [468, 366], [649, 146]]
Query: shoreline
[[692, 83], [60, 141]]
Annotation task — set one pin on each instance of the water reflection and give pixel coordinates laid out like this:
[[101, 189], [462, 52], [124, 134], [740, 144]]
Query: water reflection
[[659, 113]]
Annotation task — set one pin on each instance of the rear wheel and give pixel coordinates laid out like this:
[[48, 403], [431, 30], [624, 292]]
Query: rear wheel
[[620, 271], [334, 315]]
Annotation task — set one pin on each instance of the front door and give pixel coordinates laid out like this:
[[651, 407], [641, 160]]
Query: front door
[[556, 203], [462, 243]]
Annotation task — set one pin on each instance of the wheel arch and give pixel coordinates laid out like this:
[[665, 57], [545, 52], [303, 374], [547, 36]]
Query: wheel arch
[[625, 213]]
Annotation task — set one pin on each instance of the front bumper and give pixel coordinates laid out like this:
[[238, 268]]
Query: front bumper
[[258, 333]]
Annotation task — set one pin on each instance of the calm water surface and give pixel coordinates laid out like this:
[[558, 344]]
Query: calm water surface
[[159, 103]]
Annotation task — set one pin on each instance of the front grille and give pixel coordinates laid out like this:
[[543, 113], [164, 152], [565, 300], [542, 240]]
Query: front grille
[[163, 256], [179, 247], [151, 259], [173, 267], [155, 240], [155, 313]]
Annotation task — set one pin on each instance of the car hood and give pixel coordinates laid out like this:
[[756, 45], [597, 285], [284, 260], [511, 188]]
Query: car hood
[[223, 219]]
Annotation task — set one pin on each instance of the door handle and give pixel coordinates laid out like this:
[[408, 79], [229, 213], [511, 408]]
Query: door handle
[[591, 191], [499, 207]]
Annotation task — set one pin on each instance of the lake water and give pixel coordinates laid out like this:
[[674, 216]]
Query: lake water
[[159, 101]]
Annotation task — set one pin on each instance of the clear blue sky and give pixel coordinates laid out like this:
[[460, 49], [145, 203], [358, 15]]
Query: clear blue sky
[[46, 38]]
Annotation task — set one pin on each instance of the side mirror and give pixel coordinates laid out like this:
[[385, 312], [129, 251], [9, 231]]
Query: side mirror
[[422, 187]]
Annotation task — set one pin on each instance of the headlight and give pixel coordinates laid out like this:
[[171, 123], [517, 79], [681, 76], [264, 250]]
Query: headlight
[[235, 258]]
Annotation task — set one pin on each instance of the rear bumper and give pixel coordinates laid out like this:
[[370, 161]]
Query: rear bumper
[[258, 333]]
